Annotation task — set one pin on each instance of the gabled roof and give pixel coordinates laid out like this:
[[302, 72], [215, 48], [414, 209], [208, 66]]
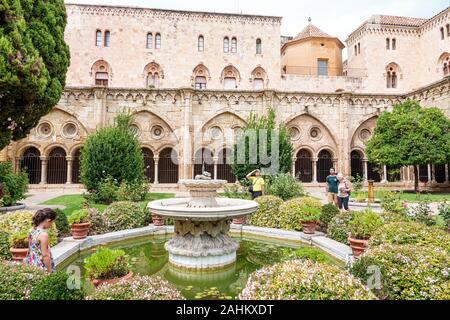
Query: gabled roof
[[396, 21]]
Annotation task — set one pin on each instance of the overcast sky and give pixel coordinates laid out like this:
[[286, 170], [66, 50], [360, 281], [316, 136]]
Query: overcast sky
[[336, 17]]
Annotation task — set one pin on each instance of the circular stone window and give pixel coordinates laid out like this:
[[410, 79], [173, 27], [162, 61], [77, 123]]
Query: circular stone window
[[44, 129], [315, 133], [215, 133], [70, 130], [157, 132], [294, 133], [365, 134]]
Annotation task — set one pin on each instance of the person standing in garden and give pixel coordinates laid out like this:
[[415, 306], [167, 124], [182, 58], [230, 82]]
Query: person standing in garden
[[332, 187], [257, 183], [39, 253], [344, 189]]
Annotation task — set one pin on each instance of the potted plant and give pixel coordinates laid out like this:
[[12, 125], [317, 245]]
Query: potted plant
[[79, 224], [361, 228], [107, 266], [239, 220], [309, 217], [19, 245], [158, 221]]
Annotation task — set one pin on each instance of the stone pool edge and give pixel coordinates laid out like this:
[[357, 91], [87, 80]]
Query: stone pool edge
[[69, 247]]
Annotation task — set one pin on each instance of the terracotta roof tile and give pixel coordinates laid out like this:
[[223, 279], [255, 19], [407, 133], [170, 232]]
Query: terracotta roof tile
[[397, 21], [312, 31]]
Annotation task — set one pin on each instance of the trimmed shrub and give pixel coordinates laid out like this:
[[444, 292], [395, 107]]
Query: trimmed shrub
[[138, 288], [61, 223], [107, 264], [112, 152], [291, 212], [267, 215], [17, 280], [99, 225], [329, 211], [286, 187], [14, 185], [407, 272], [54, 287], [338, 228], [410, 233], [18, 221], [304, 280], [125, 215], [364, 224]]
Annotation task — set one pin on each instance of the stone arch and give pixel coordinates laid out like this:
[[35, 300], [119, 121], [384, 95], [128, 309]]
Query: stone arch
[[204, 155], [230, 72], [57, 165], [30, 162], [49, 148], [199, 74], [168, 165], [363, 132], [444, 64], [153, 75], [146, 120], [101, 73], [259, 78], [304, 164], [226, 121], [393, 74]]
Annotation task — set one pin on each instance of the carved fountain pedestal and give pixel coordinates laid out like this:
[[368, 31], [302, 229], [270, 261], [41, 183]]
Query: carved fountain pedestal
[[202, 223]]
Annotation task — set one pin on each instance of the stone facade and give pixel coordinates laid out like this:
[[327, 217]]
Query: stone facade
[[328, 117]]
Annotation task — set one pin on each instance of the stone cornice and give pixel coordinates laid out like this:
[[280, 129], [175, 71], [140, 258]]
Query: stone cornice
[[109, 10]]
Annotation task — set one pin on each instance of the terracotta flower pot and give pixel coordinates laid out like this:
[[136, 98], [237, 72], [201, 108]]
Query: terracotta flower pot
[[309, 227], [79, 230], [18, 254], [358, 246], [158, 221], [240, 220], [97, 282]]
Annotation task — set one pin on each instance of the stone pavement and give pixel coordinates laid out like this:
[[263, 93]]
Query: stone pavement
[[35, 198]]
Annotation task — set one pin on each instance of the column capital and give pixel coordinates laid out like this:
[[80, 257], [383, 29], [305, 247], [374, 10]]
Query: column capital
[[69, 158], [43, 158]]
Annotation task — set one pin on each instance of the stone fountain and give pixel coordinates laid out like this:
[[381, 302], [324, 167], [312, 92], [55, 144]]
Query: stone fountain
[[202, 223]]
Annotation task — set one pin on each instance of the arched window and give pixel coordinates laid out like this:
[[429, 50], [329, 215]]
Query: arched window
[[168, 166], [394, 44], [149, 40], [259, 77], [201, 44], [444, 62], [31, 164], [101, 72], [226, 45], [230, 78], [388, 43], [149, 162], [356, 164], [200, 77], [98, 38], [442, 33], [448, 30], [107, 41], [234, 45], [359, 48], [356, 50], [304, 166], [392, 72], [258, 46], [76, 166], [224, 171], [158, 41], [57, 166], [154, 75]]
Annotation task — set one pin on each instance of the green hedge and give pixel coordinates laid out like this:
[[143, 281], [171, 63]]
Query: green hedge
[[54, 287], [126, 215], [407, 272], [304, 280], [14, 185], [291, 211], [267, 215]]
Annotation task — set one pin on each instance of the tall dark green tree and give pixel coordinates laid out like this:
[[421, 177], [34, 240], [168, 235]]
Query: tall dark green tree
[[255, 148], [33, 63], [410, 136]]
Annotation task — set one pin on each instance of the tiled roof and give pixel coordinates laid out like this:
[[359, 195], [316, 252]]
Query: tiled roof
[[396, 21], [312, 31]]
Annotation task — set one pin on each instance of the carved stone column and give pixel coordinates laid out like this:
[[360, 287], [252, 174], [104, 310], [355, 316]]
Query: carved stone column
[[156, 169], [216, 161], [430, 178], [385, 175], [44, 164], [433, 174], [294, 160], [314, 162], [69, 169], [447, 176], [366, 169]]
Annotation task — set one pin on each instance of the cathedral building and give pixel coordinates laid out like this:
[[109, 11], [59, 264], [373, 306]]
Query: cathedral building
[[191, 79]]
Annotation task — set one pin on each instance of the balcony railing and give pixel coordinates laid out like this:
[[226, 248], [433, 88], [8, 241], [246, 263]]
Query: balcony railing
[[324, 71]]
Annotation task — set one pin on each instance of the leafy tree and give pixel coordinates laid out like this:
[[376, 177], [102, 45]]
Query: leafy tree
[[410, 135], [259, 124], [33, 63], [112, 153]]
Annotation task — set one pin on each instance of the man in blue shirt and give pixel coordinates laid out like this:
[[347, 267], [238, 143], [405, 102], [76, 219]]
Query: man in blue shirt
[[332, 187]]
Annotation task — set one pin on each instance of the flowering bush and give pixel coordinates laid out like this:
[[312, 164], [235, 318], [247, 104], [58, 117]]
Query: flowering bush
[[304, 280], [338, 227], [407, 272], [17, 280], [98, 221], [410, 233], [291, 212], [267, 215], [18, 221], [138, 288], [125, 215], [107, 264], [389, 217], [422, 213], [364, 224]]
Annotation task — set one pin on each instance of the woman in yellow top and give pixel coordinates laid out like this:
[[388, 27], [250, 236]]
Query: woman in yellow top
[[258, 183]]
